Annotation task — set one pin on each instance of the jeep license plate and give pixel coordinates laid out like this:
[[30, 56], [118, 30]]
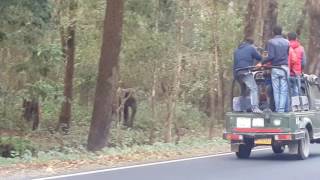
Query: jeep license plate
[[263, 141]]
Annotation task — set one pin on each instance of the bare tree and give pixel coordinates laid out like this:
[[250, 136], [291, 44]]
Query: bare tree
[[109, 59]]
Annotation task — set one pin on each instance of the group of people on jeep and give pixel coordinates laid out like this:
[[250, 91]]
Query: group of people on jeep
[[284, 52]]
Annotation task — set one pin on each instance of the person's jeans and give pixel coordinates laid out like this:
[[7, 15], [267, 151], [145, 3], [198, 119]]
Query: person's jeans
[[295, 83], [249, 81], [280, 88]]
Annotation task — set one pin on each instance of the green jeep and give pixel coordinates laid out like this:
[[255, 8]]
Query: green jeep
[[294, 129]]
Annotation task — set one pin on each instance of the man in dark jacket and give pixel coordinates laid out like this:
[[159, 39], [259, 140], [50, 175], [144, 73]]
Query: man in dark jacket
[[278, 51], [244, 57]]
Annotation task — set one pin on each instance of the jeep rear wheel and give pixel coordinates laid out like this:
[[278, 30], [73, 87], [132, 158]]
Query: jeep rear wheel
[[244, 151], [277, 148], [304, 146]]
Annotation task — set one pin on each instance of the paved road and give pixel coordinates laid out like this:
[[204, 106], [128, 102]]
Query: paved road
[[263, 165]]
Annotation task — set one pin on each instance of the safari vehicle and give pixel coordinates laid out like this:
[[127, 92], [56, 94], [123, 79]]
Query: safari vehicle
[[294, 129]]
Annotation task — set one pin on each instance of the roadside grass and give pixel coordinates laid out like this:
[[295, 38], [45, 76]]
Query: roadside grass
[[187, 146], [71, 159]]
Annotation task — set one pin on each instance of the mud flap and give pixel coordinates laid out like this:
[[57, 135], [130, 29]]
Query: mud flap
[[293, 148], [235, 147]]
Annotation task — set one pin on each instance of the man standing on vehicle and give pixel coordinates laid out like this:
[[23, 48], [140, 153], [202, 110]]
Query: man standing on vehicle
[[296, 60], [244, 57], [278, 51]]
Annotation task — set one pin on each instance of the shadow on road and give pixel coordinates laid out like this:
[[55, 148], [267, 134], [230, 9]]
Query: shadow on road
[[280, 157]]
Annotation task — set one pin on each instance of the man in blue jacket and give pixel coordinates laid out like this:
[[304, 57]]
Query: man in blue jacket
[[278, 51], [244, 57]]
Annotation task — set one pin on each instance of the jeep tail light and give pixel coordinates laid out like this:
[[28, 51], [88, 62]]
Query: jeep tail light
[[283, 137], [235, 137]]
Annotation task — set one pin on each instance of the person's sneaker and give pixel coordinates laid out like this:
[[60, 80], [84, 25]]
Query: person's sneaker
[[256, 110]]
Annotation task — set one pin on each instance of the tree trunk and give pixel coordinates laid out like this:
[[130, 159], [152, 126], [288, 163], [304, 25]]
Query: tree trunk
[[212, 97], [261, 15], [216, 76], [302, 18], [110, 50], [314, 37], [173, 99], [270, 19], [181, 43], [251, 19], [153, 105], [69, 53]]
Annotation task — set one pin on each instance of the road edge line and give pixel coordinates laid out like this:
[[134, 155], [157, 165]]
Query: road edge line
[[142, 165]]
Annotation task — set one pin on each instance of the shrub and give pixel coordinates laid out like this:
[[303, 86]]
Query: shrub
[[16, 147]]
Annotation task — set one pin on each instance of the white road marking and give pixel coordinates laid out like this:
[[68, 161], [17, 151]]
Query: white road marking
[[142, 165]]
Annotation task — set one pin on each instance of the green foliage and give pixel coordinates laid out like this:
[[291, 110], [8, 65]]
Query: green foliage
[[32, 65], [82, 115], [128, 137], [43, 89], [189, 117], [291, 12], [44, 59], [10, 106], [23, 21], [144, 46], [20, 147]]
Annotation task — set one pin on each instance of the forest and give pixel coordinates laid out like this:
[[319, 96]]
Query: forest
[[108, 76]]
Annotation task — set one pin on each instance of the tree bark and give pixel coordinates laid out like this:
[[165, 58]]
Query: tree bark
[[302, 18], [212, 96], [153, 105], [110, 50], [251, 18], [156, 71], [261, 15], [314, 37], [173, 98], [216, 76], [68, 49], [270, 19], [181, 44]]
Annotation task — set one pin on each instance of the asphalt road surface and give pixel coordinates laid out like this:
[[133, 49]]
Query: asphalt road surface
[[263, 165]]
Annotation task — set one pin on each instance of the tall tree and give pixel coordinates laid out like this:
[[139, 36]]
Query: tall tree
[[68, 50], [314, 37], [176, 83], [270, 18], [110, 50], [301, 20], [216, 75], [251, 18], [181, 42], [154, 80], [260, 25]]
